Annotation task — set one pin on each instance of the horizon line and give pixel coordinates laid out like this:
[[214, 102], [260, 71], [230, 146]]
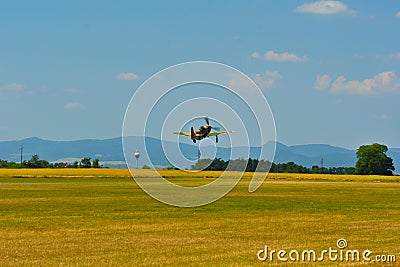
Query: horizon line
[[103, 139]]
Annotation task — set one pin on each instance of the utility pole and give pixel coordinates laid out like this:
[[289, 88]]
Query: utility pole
[[322, 165], [21, 149]]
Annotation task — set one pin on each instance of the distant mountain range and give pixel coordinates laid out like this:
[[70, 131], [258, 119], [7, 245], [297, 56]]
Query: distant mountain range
[[110, 152]]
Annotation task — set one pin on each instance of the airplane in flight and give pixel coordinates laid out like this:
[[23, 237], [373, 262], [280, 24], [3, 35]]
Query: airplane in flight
[[203, 132]]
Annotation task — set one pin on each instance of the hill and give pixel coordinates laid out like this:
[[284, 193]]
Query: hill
[[110, 152]]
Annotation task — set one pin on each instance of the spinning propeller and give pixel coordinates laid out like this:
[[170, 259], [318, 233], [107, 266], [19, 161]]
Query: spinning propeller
[[212, 127]]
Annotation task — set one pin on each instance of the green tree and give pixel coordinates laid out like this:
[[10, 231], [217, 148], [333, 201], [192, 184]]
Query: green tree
[[264, 165], [35, 162], [85, 163], [75, 164], [202, 164], [237, 164], [372, 159], [217, 164], [95, 163], [4, 164], [13, 165]]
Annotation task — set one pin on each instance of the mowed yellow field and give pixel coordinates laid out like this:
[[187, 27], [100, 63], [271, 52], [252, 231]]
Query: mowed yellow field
[[100, 217], [125, 173]]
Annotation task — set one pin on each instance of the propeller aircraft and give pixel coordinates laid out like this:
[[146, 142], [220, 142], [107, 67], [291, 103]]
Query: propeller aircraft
[[203, 132]]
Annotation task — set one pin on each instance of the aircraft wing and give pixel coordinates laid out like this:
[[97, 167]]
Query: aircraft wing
[[218, 133], [183, 133]]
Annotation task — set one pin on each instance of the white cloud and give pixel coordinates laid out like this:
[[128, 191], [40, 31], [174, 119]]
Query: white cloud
[[395, 56], [3, 128], [73, 105], [279, 57], [255, 55], [127, 76], [11, 87], [384, 82], [240, 83], [398, 14], [322, 7], [357, 56], [322, 82], [156, 76], [13, 90], [264, 81], [71, 90], [383, 117]]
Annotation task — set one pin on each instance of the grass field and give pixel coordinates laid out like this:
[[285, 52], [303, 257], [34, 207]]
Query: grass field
[[102, 218]]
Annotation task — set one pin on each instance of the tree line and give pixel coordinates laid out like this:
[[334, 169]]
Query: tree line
[[371, 160], [36, 162], [252, 165]]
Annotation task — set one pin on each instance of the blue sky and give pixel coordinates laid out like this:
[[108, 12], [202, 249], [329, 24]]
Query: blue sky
[[330, 70]]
